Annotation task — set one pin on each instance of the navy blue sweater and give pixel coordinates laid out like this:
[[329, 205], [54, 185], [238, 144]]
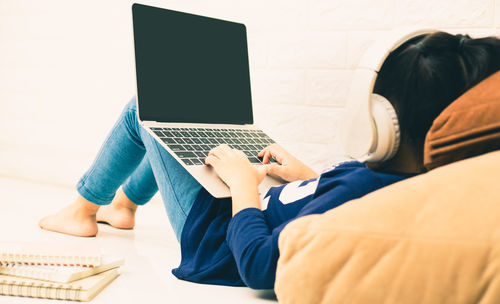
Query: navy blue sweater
[[243, 250]]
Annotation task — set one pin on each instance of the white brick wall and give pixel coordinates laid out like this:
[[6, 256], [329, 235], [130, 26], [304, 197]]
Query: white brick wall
[[445, 13], [497, 13], [327, 15], [65, 62]]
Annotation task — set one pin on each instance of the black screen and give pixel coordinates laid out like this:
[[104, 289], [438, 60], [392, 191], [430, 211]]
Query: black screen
[[190, 68]]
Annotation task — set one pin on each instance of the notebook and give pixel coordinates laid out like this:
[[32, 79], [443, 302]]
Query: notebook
[[62, 274], [47, 253], [193, 90], [80, 290]]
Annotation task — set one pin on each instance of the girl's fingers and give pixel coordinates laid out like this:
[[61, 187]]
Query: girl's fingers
[[224, 153], [225, 148], [276, 169], [240, 153], [220, 151], [275, 152], [263, 151], [267, 156], [212, 160], [280, 158]]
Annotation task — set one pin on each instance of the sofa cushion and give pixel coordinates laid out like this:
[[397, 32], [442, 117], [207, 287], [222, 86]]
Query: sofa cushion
[[434, 238], [468, 127]]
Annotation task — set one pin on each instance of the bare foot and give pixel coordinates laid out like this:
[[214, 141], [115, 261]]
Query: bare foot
[[77, 219], [120, 213]]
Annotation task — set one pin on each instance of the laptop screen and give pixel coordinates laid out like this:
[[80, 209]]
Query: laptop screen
[[190, 69]]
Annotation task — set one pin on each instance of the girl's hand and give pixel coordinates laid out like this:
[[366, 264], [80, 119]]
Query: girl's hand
[[290, 168], [243, 179], [233, 166]]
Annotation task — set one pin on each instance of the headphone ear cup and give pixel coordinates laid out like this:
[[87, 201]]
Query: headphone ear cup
[[387, 129]]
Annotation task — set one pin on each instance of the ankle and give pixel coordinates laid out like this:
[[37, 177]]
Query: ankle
[[84, 208], [125, 205], [121, 201]]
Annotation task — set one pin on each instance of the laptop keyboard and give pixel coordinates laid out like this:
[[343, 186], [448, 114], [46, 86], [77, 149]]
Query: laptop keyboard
[[192, 145]]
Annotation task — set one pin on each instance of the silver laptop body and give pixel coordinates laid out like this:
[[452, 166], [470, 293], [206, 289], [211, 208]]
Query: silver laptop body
[[193, 89]]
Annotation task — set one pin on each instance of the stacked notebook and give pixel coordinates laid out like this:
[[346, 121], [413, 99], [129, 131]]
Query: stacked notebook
[[55, 271]]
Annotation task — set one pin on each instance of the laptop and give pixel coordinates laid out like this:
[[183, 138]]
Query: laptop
[[193, 90]]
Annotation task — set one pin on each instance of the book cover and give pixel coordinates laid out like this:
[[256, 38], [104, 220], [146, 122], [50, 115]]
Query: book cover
[[45, 253], [81, 290], [62, 274]]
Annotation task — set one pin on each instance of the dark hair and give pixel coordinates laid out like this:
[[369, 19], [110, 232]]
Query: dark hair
[[425, 74]]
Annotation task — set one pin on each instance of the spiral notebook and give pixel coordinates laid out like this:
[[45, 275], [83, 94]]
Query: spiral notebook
[[62, 274], [81, 290], [45, 253]]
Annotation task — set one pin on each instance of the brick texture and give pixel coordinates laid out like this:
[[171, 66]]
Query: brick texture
[[307, 49], [349, 15], [497, 13], [358, 42], [60, 61], [278, 86], [445, 13], [327, 88]]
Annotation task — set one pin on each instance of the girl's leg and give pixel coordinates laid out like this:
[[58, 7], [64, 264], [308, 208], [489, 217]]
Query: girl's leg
[[137, 190], [118, 157], [141, 186], [177, 187]]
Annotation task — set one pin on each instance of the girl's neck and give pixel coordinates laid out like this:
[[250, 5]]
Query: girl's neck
[[406, 161]]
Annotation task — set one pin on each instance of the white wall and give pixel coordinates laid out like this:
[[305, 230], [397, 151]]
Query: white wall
[[68, 63]]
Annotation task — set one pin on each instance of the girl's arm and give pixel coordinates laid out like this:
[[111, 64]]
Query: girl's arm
[[253, 244], [255, 247], [239, 174]]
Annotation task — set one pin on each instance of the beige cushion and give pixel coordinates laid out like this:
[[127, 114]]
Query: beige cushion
[[434, 238]]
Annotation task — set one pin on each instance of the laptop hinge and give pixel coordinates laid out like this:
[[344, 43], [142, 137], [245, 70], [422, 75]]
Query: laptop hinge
[[148, 123], [151, 123]]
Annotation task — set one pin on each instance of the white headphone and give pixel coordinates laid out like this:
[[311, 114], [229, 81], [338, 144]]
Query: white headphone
[[373, 129]]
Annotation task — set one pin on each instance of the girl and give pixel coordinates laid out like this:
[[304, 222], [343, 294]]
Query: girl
[[234, 241]]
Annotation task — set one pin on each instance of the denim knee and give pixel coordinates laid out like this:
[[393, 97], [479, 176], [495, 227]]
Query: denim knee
[[131, 121], [131, 105]]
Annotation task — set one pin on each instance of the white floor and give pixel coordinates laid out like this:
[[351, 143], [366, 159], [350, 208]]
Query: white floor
[[150, 250]]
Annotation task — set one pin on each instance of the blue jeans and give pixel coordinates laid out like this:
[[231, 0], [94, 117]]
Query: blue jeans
[[131, 158]]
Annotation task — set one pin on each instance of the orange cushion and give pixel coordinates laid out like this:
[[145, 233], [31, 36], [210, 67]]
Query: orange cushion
[[468, 127]]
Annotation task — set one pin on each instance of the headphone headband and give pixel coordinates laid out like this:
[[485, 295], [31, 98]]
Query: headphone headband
[[378, 52], [360, 140]]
